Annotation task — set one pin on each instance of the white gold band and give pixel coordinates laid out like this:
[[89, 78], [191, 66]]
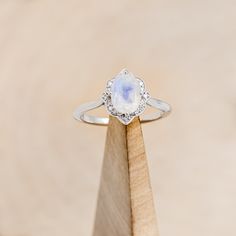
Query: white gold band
[[80, 113]]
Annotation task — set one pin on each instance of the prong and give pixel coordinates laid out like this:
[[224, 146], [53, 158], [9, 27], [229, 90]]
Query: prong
[[124, 71]]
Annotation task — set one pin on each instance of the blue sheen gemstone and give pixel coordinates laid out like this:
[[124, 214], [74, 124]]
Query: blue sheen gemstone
[[126, 93]]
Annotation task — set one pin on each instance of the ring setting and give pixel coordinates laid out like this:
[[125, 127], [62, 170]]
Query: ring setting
[[125, 97]]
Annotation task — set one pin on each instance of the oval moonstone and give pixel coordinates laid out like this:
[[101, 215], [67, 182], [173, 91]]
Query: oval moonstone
[[125, 93]]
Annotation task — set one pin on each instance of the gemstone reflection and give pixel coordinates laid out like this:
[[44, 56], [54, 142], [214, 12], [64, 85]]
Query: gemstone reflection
[[126, 93]]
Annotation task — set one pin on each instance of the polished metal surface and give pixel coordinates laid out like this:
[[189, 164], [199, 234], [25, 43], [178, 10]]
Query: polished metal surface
[[163, 109]]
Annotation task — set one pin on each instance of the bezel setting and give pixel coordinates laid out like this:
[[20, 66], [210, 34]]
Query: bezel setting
[[125, 118]]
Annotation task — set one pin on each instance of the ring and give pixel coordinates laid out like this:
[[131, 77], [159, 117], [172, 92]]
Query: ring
[[125, 98]]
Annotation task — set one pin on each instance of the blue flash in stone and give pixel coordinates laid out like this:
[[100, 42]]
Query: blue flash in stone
[[126, 91]]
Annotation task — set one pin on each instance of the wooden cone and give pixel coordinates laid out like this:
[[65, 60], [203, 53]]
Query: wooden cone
[[125, 202]]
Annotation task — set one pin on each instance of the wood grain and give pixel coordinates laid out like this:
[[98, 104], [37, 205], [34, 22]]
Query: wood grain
[[56, 55], [125, 203]]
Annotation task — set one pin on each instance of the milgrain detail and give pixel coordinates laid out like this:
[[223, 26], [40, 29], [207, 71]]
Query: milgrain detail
[[125, 202]]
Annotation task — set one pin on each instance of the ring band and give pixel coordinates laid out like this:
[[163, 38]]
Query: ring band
[[80, 113], [125, 97]]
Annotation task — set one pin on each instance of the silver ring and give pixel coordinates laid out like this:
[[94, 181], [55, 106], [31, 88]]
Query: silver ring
[[125, 97]]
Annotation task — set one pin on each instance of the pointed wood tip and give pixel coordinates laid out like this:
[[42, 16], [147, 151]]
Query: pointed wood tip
[[125, 203]]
